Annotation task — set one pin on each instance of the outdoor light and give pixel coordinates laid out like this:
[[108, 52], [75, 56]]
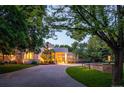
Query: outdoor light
[[12, 58], [109, 58]]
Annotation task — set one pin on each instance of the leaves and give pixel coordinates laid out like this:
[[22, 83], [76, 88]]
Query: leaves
[[21, 27]]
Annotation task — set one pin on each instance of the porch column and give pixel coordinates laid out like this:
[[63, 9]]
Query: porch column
[[66, 60]]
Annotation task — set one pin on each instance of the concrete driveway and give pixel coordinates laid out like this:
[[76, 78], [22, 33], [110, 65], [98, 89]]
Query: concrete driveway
[[39, 76]]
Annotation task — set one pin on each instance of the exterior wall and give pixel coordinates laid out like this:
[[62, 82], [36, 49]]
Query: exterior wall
[[71, 57], [7, 57], [28, 57], [63, 57], [100, 67], [19, 58], [60, 57]]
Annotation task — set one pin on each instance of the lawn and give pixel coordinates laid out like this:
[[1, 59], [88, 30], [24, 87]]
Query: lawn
[[13, 67], [90, 77]]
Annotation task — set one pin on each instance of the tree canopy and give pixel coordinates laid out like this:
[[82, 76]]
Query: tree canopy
[[106, 22], [21, 28]]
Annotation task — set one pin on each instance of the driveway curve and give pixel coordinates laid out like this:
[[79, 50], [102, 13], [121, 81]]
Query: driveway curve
[[39, 76]]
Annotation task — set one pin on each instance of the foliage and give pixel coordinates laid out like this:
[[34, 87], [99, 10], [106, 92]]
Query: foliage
[[13, 29], [83, 20], [97, 49], [106, 22], [47, 54], [79, 49], [12, 62], [94, 49], [34, 62], [34, 19], [21, 28]]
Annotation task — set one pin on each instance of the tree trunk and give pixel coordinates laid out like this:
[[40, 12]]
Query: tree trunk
[[118, 69], [119, 53]]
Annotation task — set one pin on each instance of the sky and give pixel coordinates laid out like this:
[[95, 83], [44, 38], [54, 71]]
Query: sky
[[63, 39]]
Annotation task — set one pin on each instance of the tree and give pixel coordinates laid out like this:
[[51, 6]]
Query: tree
[[75, 48], [106, 22], [12, 29], [48, 54], [79, 49], [21, 28], [97, 49], [34, 19]]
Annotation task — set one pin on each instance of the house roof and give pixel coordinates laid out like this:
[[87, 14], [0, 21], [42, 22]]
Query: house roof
[[70, 53], [61, 49]]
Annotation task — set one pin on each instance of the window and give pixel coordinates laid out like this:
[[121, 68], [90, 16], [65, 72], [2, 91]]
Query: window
[[28, 55]]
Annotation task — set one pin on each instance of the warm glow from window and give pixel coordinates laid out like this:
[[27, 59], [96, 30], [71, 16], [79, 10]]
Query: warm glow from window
[[28, 55], [12, 57], [60, 57]]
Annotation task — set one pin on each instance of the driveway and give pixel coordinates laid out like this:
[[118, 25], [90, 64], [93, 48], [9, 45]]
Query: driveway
[[39, 76]]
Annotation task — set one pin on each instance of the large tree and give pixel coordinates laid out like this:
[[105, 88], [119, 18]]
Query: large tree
[[106, 22], [12, 29], [34, 19], [21, 28]]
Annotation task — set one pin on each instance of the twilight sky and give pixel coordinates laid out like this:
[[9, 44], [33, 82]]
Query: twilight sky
[[63, 39]]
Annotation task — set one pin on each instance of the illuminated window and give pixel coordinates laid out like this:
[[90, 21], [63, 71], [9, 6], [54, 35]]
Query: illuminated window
[[28, 55]]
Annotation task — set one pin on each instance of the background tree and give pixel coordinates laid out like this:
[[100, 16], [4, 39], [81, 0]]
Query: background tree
[[106, 22], [97, 50], [79, 49], [47, 55]]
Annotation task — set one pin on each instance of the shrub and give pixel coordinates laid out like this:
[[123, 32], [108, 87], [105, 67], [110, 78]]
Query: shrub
[[13, 62], [5, 62], [34, 62], [1, 63], [51, 62]]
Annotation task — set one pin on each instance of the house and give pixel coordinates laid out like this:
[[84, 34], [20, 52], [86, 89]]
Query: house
[[61, 55]]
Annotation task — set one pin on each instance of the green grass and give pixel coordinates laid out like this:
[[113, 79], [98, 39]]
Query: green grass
[[90, 77], [13, 67]]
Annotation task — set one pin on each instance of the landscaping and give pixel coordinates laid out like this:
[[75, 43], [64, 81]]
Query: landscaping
[[91, 34], [90, 77], [13, 67]]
